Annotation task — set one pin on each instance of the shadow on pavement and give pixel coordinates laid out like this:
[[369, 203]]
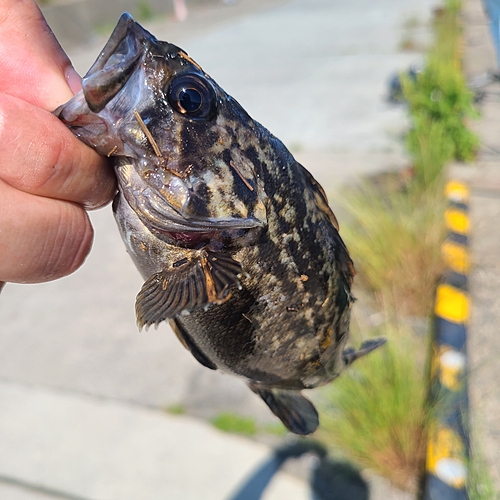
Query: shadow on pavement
[[329, 480]]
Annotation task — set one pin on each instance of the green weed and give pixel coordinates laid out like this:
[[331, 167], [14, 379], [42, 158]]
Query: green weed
[[277, 429], [176, 409], [231, 422], [377, 412], [440, 103], [479, 482], [144, 11]]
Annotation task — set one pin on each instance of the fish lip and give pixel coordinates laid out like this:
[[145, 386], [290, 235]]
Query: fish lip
[[155, 212], [122, 29], [163, 217], [200, 225]]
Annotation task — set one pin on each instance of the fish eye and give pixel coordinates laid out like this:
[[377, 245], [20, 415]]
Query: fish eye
[[193, 96]]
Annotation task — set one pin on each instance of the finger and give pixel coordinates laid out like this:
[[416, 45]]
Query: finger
[[39, 155], [52, 241], [33, 65]]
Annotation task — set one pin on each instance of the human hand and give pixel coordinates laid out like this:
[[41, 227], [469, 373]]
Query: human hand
[[47, 176]]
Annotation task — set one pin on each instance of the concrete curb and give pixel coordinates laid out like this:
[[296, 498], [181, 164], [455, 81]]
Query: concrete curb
[[448, 438]]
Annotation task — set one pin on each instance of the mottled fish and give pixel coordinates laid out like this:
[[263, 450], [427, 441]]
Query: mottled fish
[[235, 239]]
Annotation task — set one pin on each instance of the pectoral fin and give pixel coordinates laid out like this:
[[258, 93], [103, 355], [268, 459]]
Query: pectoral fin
[[296, 412], [350, 355], [188, 284]]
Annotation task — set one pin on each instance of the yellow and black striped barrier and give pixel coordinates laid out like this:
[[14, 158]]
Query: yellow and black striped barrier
[[448, 438]]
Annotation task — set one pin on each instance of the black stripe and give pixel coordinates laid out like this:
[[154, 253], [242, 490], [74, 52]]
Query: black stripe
[[455, 279], [448, 333], [458, 206], [460, 239], [435, 489]]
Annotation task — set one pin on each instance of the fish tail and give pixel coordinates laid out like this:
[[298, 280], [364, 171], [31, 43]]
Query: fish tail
[[296, 412]]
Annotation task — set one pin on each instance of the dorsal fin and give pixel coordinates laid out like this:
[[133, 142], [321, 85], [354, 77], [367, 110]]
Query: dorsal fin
[[321, 201]]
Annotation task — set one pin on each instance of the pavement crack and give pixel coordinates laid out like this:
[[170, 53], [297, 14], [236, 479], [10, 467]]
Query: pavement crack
[[37, 488]]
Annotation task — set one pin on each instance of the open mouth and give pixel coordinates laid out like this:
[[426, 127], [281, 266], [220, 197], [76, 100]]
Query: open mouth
[[191, 239]]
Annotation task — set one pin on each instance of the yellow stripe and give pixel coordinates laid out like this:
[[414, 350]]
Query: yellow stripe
[[451, 304], [457, 192], [456, 221], [456, 257], [445, 448]]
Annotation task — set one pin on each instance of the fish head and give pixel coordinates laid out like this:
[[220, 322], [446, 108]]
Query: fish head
[[181, 144]]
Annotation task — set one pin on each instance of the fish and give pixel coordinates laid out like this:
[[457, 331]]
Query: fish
[[235, 239]]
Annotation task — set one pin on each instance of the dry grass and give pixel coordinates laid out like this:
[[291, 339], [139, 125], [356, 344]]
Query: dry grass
[[376, 414], [394, 237]]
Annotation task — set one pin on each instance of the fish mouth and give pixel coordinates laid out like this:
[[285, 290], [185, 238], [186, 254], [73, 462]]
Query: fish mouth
[[194, 232], [163, 220], [122, 28], [167, 214], [116, 63]]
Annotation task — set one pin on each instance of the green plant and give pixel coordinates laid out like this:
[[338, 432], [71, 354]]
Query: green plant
[[231, 422], [480, 485], [440, 103], [277, 428], [375, 412], [144, 11], [431, 147], [177, 409]]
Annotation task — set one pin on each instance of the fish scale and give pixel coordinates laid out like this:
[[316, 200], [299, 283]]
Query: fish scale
[[238, 247]]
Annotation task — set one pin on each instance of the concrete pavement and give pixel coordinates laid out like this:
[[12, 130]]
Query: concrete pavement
[[81, 392], [81, 447], [484, 178]]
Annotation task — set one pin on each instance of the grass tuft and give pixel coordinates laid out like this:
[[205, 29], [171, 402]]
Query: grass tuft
[[394, 238], [375, 412]]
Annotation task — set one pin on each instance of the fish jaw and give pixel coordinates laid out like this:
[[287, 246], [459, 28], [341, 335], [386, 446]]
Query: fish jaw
[[159, 210]]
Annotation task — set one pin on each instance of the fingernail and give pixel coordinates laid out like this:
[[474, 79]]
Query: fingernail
[[73, 79]]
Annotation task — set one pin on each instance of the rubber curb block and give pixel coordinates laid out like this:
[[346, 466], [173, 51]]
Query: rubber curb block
[[448, 438]]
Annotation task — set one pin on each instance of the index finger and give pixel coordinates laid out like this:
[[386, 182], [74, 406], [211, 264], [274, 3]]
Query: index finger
[[39, 155]]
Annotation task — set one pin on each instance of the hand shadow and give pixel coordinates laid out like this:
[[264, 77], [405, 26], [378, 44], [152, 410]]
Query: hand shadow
[[330, 479]]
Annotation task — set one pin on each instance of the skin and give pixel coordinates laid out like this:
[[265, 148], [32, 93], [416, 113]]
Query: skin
[[48, 178]]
